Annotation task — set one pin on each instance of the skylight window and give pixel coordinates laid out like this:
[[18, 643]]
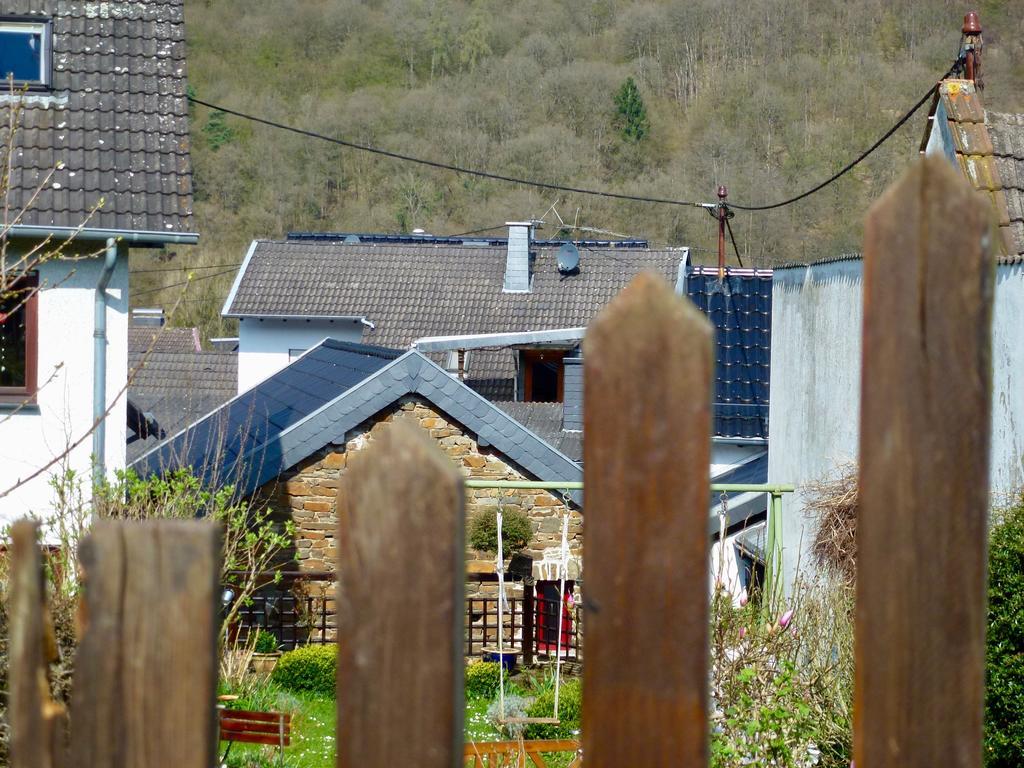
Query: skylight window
[[25, 52]]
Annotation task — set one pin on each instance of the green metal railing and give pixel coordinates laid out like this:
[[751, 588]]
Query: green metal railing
[[775, 490]]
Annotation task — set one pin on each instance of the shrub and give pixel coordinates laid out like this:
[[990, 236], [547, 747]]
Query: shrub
[[311, 668], [1004, 661], [516, 530], [265, 642], [570, 707], [483, 679]]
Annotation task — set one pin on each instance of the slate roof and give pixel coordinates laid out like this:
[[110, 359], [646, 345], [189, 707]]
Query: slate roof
[[319, 398], [740, 308], [545, 420], [161, 339], [170, 390], [116, 116], [436, 287], [989, 150]]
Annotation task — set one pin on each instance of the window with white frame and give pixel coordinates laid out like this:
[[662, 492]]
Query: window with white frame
[[25, 50]]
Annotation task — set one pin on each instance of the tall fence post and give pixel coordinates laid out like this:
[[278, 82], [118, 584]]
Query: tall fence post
[[401, 606], [646, 456], [145, 668], [920, 623], [529, 633], [37, 722]]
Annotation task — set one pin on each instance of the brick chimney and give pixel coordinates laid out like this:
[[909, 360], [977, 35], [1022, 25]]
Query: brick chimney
[[517, 258]]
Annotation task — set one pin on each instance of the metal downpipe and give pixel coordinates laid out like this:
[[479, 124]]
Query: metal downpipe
[[99, 365]]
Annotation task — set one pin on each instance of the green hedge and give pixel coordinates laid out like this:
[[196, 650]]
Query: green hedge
[[1004, 702], [483, 679], [312, 669], [570, 707], [516, 530]]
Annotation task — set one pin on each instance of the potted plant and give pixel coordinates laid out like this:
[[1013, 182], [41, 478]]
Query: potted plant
[[265, 653]]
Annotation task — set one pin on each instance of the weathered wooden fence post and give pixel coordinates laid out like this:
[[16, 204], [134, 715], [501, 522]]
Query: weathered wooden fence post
[[646, 457], [145, 669], [401, 609], [37, 722], [920, 624]]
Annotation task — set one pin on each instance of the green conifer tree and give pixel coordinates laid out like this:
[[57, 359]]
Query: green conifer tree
[[631, 114]]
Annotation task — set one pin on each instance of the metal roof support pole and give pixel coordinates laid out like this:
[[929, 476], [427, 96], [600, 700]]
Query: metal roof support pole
[[773, 564], [99, 366], [776, 489]]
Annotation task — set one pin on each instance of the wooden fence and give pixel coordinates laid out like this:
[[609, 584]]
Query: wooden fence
[[144, 689]]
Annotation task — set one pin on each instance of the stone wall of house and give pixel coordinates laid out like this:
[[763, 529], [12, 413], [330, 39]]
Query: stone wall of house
[[307, 495]]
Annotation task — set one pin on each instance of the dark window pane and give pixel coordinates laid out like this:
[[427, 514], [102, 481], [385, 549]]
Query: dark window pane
[[21, 54], [13, 342]]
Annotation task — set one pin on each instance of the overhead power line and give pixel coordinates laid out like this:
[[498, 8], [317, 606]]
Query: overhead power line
[[856, 161], [444, 166], [188, 268], [582, 190], [181, 283]]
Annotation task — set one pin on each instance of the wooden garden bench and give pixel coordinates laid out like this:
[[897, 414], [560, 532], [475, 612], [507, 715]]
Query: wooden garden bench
[[513, 754], [244, 726]]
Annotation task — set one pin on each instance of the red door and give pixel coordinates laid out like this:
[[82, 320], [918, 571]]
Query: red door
[[546, 614]]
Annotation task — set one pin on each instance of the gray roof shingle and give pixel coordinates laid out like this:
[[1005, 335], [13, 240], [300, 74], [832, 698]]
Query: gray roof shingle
[[116, 116], [177, 388], [1007, 133], [250, 441], [162, 339], [432, 289]]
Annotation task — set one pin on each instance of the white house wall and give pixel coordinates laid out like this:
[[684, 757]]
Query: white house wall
[[31, 437], [263, 344], [815, 398]]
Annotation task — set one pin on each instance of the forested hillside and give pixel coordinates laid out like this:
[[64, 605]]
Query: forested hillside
[[765, 96]]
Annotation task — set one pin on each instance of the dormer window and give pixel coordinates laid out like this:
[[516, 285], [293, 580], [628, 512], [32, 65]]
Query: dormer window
[[25, 47]]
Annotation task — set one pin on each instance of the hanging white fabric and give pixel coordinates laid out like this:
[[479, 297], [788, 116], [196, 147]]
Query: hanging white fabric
[[500, 568], [563, 568]]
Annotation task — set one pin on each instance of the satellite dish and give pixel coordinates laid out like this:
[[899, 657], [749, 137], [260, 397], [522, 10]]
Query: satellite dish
[[568, 259]]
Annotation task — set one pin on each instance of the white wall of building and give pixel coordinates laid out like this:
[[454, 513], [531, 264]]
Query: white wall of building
[[264, 344], [814, 414], [31, 437]]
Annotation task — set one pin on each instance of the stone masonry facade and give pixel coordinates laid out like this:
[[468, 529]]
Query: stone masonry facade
[[307, 495]]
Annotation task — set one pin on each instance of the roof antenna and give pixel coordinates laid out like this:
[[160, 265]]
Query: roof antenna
[[970, 49]]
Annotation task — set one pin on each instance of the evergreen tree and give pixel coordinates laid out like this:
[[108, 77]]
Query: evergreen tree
[[631, 114]]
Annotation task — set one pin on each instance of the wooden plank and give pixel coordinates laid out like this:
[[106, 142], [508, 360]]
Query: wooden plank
[[250, 715], [258, 738], [145, 673], [647, 395], [401, 608], [925, 414], [38, 724]]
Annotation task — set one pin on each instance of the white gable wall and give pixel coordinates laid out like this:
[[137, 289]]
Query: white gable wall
[[264, 343], [815, 397], [33, 436]]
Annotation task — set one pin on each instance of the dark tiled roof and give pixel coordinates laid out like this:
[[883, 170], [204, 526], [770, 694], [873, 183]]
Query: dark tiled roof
[[545, 419], [116, 116], [174, 389], [319, 398], [414, 290], [1007, 132], [740, 308], [162, 339]]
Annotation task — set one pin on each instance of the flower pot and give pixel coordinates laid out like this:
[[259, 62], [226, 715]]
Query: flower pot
[[264, 663], [507, 657]]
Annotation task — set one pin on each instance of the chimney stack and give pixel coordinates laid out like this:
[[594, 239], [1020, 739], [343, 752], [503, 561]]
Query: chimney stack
[[970, 48], [517, 259]]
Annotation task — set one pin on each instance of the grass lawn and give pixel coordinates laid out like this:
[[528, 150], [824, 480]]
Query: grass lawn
[[313, 735]]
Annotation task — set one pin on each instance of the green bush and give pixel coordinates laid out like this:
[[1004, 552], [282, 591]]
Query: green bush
[[311, 668], [516, 530], [570, 707], [1004, 694], [483, 679], [265, 642]]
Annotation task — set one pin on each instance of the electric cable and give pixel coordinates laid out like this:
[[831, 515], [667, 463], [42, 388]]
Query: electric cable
[[188, 268], [859, 159], [443, 166], [136, 294], [731, 237]]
